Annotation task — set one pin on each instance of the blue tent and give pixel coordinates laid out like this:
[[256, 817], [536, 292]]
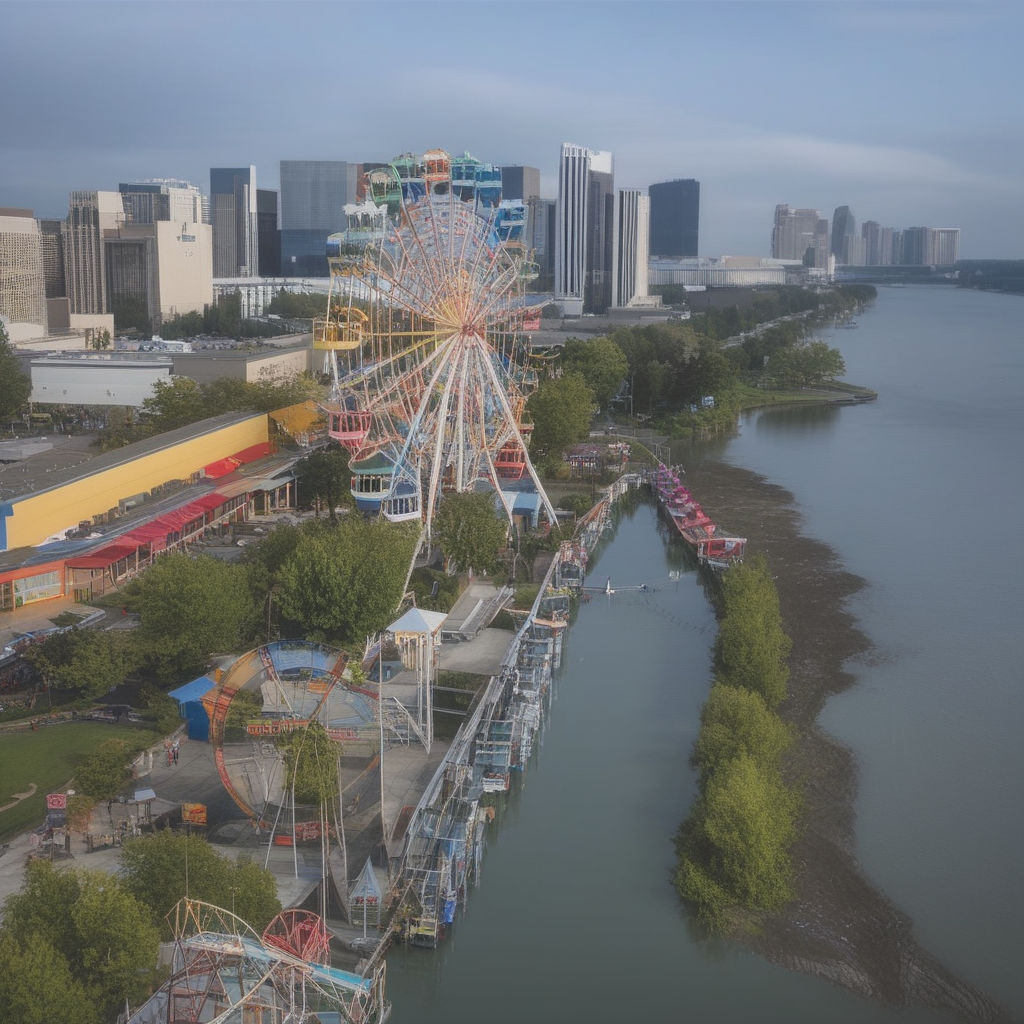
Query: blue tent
[[190, 706]]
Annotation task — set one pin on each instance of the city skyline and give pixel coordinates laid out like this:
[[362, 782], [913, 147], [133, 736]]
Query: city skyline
[[911, 120]]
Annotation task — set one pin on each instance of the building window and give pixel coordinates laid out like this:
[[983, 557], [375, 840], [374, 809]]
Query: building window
[[37, 588]]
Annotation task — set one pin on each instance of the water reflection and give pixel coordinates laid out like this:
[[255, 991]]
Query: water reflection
[[795, 419]]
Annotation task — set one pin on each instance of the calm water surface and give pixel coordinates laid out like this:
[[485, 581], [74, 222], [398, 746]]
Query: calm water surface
[[919, 493]]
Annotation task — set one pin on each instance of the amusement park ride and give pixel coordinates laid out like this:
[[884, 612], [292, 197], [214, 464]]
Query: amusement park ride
[[422, 337]]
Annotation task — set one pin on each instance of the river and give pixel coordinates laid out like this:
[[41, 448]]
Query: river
[[918, 493]]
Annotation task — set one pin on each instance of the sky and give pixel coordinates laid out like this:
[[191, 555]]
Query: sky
[[911, 113]]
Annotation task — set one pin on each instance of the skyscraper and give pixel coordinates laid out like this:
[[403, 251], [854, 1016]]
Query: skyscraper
[[90, 214], [945, 246], [796, 231], [519, 182], [22, 287], [52, 247], [158, 271], [313, 193], [916, 246], [155, 199], [630, 246], [234, 219], [583, 236], [844, 232], [268, 236], [675, 218]]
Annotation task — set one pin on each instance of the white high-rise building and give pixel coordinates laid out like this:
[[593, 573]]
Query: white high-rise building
[[22, 287], [945, 246], [630, 246], [583, 232]]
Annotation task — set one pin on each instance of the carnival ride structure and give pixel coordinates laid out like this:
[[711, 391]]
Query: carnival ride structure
[[423, 338], [223, 972]]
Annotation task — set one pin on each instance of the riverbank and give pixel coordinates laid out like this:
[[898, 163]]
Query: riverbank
[[839, 927]]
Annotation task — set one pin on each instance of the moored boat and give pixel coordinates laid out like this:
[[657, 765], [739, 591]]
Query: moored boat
[[692, 523]]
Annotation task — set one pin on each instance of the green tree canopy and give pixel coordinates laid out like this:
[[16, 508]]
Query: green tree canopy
[[750, 821], [15, 384], [737, 721], [90, 661], [102, 940], [190, 608], [324, 475], [600, 362], [561, 409], [752, 646], [102, 773], [162, 868], [37, 985], [345, 581], [805, 364], [311, 764], [469, 531]]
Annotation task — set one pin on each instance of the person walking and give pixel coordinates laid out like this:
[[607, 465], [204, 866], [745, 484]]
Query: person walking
[[174, 751]]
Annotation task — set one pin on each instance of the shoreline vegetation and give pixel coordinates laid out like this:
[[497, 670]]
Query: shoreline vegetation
[[835, 924]]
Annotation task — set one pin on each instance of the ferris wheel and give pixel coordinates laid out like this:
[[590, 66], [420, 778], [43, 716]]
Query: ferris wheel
[[423, 340]]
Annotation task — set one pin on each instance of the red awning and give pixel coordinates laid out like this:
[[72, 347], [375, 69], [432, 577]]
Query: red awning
[[107, 555], [154, 533]]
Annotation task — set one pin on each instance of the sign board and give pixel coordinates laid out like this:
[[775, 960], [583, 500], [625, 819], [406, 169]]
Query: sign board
[[56, 801], [193, 814]]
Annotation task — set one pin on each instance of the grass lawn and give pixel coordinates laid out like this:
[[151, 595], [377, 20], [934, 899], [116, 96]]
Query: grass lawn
[[49, 758]]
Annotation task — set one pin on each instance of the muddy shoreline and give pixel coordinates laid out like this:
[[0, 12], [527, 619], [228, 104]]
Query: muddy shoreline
[[840, 926]]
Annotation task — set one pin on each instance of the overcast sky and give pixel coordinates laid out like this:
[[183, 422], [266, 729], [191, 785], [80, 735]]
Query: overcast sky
[[910, 113]]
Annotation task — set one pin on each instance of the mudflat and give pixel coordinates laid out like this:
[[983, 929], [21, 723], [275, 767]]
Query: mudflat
[[839, 926]]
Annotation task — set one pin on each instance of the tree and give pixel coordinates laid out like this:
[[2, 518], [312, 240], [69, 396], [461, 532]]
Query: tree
[[90, 661], [102, 773], [752, 647], [311, 764], [175, 402], [100, 339], [324, 476], [131, 313], [345, 581], [190, 608], [750, 821], [15, 384], [600, 362], [101, 940], [737, 721], [37, 986], [561, 409], [160, 869], [806, 364], [469, 531]]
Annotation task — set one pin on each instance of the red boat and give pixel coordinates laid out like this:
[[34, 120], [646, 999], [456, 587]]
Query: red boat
[[693, 523]]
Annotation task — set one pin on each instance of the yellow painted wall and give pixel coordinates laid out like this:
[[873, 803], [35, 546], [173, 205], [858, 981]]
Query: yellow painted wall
[[38, 516]]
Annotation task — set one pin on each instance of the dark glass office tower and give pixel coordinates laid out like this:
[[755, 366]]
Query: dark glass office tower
[[675, 218]]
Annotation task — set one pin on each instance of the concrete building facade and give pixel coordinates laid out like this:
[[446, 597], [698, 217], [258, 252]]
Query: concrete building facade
[[518, 182], [168, 265], [630, 247], [154, 199], [22, 283], [675, 218], [233, 216], [90, 215]]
